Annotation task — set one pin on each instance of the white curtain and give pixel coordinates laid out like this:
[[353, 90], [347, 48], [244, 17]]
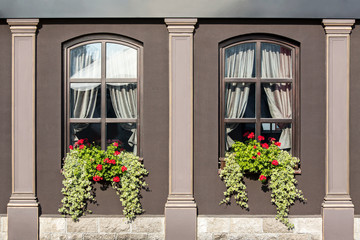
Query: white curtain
[[124, 101], [276, 62], [83, 103], [239, 63], [86, 61], [121, 61]]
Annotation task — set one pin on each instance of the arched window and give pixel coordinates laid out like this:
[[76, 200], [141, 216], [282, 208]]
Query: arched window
[[102, 91], [259, 91]]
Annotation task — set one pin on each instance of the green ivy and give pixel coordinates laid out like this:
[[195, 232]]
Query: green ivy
[[87, 164], [271, 164]]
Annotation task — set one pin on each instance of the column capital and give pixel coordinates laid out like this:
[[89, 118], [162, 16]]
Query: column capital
[[338, 26], [181, 25], [23, 26]]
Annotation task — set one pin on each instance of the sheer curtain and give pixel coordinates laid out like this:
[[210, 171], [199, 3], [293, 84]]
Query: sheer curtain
[[239, 63], [276, 62], [85, 63], [124, 101], [121, 62]]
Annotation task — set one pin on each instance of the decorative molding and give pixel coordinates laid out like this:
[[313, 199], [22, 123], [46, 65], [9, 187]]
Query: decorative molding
[[181, 25], [180, 209], [23, 207], [338, 26], [337, 208]]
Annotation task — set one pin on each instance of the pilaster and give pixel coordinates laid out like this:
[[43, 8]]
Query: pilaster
[[180, 209], [23, 205], [337, 208]]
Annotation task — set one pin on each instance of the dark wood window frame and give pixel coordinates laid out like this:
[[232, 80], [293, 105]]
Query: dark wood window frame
[[257, 80], [103, 120]]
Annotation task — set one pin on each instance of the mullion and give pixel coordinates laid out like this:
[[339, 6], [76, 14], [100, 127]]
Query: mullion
[[258, 89], [103, 95], [85, 80]]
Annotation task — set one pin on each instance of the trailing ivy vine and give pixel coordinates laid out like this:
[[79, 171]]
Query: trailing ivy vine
[[275, 168], [87, 164]]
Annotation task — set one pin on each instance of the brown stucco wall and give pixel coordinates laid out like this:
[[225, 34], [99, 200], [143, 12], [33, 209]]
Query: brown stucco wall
[[5, 115], [208, 186], [355, 116], [153, 34]]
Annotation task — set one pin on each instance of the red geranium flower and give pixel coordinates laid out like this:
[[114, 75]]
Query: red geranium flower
[[251, 135], [99, 167], [112, 161], [123, 168], [262, 178], [81, 146], [116, 144], [71, 147], [275, 162], [265, 145], [116, 153], [96, 178], [246, 134], [254, 147], [258, 153], [271, 139], [278, 144], [106, 160], [116, 179], [253, 157], [261, 138], [81, 141]]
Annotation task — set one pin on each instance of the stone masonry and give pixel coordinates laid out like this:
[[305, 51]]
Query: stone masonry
[[102, 228], [152, 228], [265, 228]]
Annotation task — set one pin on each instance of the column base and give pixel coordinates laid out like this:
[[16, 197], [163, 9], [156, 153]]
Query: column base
[[180, 218], [23, 217], [338, 217]]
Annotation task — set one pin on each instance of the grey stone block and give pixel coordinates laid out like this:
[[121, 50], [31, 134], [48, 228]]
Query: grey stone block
[[52, 225], [217, 225], [271, 225], [114, 225], [148, 225], [308, 225], [92, 236], [44, 236], [204, 236], [246, 225], [84, 225], [4, 224], [59, 236], [138, 236], [292, 236], [156, 236], [220, 236], [123, 236], [74, 236]]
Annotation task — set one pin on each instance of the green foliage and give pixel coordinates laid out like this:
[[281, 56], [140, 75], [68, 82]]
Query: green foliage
[[269, 162], [87, 164]]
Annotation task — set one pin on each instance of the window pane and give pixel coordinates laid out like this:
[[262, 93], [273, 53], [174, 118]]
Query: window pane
[[85, 61], [235, 132], [276, 100], [282, 132], [121, 100], [240, 61], [91, 131], [85, 100], [276, 61], [121, 61], [124, 132], [239, 100]]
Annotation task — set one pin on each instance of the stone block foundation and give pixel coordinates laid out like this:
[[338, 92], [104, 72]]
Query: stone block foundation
[[258, 228], [102, 228], [152, 228]]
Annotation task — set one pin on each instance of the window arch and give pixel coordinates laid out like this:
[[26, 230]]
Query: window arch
[[103, 81], [259, 90]]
